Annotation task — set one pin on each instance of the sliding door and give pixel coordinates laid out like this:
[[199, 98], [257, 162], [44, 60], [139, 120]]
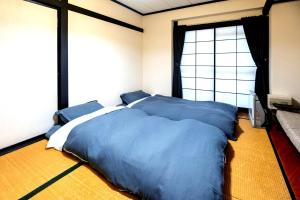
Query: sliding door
[[28, 70]]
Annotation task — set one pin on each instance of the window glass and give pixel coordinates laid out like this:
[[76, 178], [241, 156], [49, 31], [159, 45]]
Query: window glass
[[188, 59], [188, 83], [188, 71], [226, 98], [226, 46], [226, 73], [190, 36], [205, 59], [205, 47], [204, 95], [205, 71], [226, 86], [188, 94], [204, 84], [205, 35], [189, 48], [228, 59], [226, 33], [218, 67]]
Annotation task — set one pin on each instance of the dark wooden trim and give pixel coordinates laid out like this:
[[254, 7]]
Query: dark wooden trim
[[122, 4], [181, 7], [47, 3], [62, 57], [267, 7], [22, 144], [282, 1], [281, 166], [90, 13], [62, 7]]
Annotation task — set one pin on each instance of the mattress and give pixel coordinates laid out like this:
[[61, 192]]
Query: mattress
[[290, 122]]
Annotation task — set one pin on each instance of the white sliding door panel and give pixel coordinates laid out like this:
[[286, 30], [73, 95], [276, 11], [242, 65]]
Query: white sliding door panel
[[28, 70], [105, 60]]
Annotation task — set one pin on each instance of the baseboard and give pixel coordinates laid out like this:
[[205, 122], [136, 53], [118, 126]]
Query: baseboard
[[20, 145]]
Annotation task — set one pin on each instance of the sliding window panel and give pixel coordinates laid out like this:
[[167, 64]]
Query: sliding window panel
[[205, 47], [226, 98], [188, 94], [226, 85], [246, 73], [188, 83], [189, 48], [243, 101], [190, 36], [104, 60], [226, 33], [28, 70], [242, 46], [205, 35], [226, 60], [205, 71], [240, 32], [244, 87], [226, 46], [204, 84], [204, 95], [245, 60], [205, 59], [188, 71], [226, 73], [188, 59]]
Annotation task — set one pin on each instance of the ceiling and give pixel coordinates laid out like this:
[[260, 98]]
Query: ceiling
[[150, 6]]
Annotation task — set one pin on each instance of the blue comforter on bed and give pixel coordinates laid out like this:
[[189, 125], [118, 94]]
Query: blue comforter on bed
[[153, 157], [217, 114]]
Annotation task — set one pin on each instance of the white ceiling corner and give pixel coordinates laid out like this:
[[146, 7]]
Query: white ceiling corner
[[148, 6]]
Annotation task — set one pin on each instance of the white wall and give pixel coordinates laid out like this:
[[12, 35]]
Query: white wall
[[157, 39], [285, 49], [28, 70], [105, 59], [111, 9]]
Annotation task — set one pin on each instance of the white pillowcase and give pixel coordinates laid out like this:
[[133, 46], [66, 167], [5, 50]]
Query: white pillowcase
[[58, 139]]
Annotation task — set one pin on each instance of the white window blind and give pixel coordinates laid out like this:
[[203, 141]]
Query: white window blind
[[217, 66]]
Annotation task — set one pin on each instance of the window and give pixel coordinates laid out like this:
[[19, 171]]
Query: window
[[216, 65]]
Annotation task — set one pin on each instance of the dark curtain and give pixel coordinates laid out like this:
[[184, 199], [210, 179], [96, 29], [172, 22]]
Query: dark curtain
[[178, 42], [257, 35]]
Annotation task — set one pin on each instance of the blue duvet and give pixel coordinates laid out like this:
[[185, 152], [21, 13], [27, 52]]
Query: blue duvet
[[153, 157], [217, 114]]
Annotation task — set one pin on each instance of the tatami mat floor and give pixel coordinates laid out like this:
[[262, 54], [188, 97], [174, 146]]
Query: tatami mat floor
[[251, 172]]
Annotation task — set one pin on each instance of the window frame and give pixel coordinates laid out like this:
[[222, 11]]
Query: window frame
[[214, 26]]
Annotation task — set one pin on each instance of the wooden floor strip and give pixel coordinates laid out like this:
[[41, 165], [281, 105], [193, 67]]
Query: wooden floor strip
[[83, 183], [50, 182], [251, 172], [24, 170]]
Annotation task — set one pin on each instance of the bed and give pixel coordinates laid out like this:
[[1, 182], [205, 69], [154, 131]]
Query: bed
[[150, 156], [217, 114]]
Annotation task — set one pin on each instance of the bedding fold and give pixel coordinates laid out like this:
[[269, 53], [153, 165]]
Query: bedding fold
[[153, 157], [217, 114]]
